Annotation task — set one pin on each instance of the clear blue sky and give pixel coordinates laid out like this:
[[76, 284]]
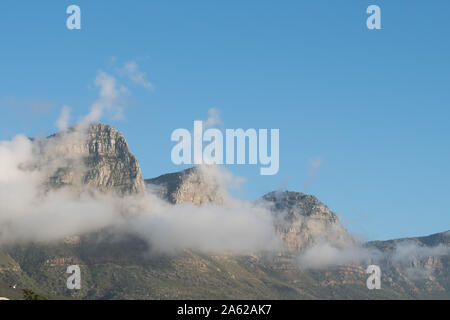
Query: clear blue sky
[[372, 105]]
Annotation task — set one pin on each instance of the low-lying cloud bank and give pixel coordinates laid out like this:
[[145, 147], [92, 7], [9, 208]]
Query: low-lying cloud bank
[[325, 254], [213, 229], [407, 254]]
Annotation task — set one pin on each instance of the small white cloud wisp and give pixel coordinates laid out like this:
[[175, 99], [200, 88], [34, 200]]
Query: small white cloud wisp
[[110, 99], [132, 71]]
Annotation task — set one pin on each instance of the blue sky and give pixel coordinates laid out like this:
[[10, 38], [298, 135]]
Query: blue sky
[[373, 106]]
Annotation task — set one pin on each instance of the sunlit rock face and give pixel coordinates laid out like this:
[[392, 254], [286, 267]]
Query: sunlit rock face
[[192, 185], [302, 221], [93, 157]]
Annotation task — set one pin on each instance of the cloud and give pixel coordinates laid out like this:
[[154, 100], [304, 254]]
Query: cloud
[[408, 252], [325, 254], [63, 121], [27, 212], [409, 256], [222, 177], [131, 70], [210, 229], [412, 257], [110, 99], [418, 273], [213, 118]]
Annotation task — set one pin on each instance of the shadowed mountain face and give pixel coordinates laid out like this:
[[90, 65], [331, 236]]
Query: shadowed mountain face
[[122, 267]]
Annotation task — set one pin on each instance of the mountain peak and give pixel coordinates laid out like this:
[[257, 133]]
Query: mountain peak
[[305, 204], [302, 220], [191, 185], [96, 155]]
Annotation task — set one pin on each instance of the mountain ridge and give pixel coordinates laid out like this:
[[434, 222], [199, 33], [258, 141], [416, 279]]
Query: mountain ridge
[[126, 269]]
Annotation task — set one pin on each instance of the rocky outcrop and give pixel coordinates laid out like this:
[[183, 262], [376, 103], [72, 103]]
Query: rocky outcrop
[[96, 156], [302, 221], [192, 185]]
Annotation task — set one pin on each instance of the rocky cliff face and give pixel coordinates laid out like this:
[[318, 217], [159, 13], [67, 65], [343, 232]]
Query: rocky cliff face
[[96, 156], [302, 221], [192, 185]]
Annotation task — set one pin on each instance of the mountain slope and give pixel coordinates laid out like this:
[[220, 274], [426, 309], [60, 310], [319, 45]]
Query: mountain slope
[[125, 270]]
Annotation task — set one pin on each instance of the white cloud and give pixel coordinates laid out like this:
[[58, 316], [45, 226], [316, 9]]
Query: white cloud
[[110, 99], [63, 121], [325, 254], [210, 228], [131, 69], [409, 251], [213, 118], [408, 255]]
